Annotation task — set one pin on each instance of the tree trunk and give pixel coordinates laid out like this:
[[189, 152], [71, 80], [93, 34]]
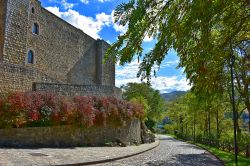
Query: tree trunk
[[205, 126], [178, 125], [217, 125], [181, 125], [194, 129], [248, 109], [186, 130], [238, 127], [248, 151], [209, 126]]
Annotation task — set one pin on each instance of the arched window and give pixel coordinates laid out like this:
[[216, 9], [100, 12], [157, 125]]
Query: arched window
[[33, 10], [35, 28], [30, 57]]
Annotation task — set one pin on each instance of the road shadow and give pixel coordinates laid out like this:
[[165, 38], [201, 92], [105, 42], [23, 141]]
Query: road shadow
[[203, 159], [190, 146]]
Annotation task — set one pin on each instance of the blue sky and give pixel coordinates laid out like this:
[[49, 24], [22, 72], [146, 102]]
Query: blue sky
[[95, 17]]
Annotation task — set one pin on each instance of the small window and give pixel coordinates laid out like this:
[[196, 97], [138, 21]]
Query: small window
[[33, 10], [30, 57], [35, 28]]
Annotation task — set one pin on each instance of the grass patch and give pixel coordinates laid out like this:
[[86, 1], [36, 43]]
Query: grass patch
[[226, 157]]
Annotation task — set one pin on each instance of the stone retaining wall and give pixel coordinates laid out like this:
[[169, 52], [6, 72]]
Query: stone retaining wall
[[69, 136], [82, 90]]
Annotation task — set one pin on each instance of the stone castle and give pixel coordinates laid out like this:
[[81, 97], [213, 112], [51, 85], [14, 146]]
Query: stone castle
[[41, 52]]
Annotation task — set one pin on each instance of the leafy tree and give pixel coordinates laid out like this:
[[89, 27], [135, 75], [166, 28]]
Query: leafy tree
[[198, 116], [142, 101], [149, 97], [204, 34]]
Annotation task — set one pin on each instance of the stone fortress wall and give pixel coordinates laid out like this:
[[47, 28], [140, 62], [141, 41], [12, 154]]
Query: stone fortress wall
[[63, 54]]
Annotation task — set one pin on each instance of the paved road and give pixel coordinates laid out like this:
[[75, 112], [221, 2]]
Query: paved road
[[171, 152], [65, 156]]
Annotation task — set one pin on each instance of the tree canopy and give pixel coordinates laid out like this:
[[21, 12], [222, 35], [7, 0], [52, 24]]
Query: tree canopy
[[150, 98], [205, 34], [200, 31]]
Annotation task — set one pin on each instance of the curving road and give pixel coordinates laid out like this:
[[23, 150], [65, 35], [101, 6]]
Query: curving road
[[170, 152]]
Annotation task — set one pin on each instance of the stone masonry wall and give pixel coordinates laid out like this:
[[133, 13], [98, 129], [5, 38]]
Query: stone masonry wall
[[108, 68], [15, 36], [59, 47], [84, 71], [69, 136], [62, 52], [2, 26], [19, 78], [81, 90]]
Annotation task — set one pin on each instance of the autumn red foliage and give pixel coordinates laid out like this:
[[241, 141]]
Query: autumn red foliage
[[25, 109]]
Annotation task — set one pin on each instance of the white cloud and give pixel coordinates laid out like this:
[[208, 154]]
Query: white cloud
[[63, 3], [168, 84], [85, 1], [170, 64], [91, 26], [67, 5], [104, 18], [127, 73], [103, 1], [54, 10]]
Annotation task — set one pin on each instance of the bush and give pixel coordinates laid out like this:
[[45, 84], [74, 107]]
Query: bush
[[28, 109], [169, 128], [227, 138], [150, 123]]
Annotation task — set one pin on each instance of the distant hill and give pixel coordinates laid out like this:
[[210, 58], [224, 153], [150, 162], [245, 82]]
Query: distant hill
[[172, 95]]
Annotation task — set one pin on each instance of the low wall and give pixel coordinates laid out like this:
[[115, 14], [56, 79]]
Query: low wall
[[69, 136], [82, 90]]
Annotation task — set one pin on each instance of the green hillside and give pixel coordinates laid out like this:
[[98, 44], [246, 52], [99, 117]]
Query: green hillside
[[172, 95]]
